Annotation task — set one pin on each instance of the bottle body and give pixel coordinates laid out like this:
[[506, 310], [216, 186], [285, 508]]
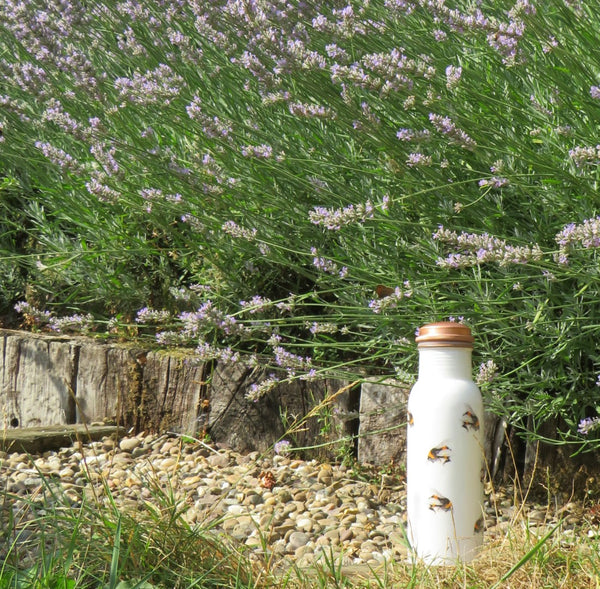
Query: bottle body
[[445, 458]]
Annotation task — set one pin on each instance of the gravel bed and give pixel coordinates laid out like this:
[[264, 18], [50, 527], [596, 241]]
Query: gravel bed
[[299, 510]]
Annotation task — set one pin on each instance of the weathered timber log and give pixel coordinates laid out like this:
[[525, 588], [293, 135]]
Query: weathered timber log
[[36, 380], [48, 379], [35, 440], [305, 412], [108, 384], [382, 431], [174, 392]]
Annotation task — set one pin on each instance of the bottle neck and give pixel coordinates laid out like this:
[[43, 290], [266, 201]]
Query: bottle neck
[[445, 362]]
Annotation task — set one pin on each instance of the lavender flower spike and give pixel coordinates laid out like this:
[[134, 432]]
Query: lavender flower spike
[[588, 424], [282, 447]]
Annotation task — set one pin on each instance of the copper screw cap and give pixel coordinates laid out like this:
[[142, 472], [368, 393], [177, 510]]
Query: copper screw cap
[[445, 333]]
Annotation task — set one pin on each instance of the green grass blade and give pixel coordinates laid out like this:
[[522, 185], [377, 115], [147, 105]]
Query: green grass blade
[[114, 563]]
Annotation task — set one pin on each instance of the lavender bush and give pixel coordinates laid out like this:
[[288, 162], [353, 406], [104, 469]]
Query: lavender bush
[[242, 175]]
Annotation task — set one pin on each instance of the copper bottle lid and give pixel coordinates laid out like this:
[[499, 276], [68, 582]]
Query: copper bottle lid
[[445, 333]]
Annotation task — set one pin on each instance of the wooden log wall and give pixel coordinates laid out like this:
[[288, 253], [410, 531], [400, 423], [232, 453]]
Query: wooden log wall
[[57, 380], [48, 380]]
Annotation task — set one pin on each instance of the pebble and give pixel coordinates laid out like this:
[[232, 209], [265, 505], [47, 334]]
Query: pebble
[[129, 444], [297, 540], [312, 511]]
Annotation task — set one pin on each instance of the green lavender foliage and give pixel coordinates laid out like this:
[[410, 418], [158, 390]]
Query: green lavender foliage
[[186, 156]]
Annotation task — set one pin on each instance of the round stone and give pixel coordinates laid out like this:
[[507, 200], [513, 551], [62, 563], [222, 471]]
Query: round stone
[[220, 460], [242, 531], [346, 534], [66, 473], [129, 444], [139, 451], [296, 540], [236, 509], [253, 499], [304, 524]]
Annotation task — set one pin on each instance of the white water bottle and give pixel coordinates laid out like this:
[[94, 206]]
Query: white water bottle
[[445, 454]]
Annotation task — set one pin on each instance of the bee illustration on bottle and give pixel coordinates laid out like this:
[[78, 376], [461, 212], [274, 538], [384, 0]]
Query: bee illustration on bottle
[[410, 418], [439, 503], [439, 453], [470, 421], [478, 527]]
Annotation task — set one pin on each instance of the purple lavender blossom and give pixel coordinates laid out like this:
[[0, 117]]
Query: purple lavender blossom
[[76, 322], [212, 127], [96, 186], [405, 134], [154, 316], [487, 372], [256, 304], [311, 111], [29, 77], [494, 182], [275, 97], [583, 156], [595, 92], [369, 115], [291, 362], [453, 75], [459, 319], [309, 376], [415, 160], [328, 266], [258, 390], [585, 235], [282, 447], [445, 126], [522, 8], [207, 316], [320, 327], [60, 158], [355, 75], [258, 151], [56, 114], [34, 314], [474, 249], [105, 155], [505, 39], [287, 305], [337, 53], [588, 425], [335, 219], [206, 351], [128, 43], [233, 229], [412, 135], [158, 85]]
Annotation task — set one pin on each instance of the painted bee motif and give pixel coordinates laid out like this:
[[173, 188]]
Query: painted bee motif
[[478, 527], [439, 503], [470, 420], [439, 453], [410, 418]]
